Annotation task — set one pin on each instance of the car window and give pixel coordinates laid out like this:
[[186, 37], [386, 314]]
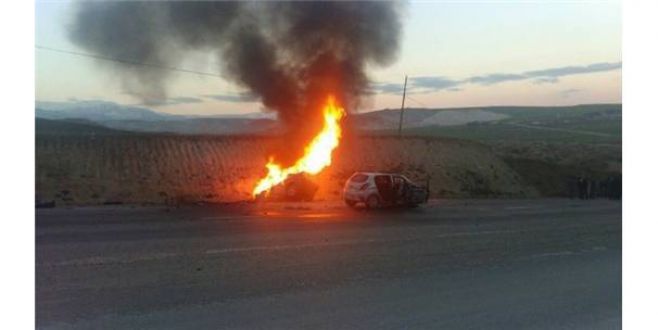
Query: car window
[[398, 180], [383, 179], [359, 178], [409, 181]]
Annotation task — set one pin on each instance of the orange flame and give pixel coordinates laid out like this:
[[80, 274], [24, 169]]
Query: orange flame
[[317, 154]]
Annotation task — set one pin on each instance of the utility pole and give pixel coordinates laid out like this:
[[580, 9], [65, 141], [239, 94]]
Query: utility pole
[[404, 94]]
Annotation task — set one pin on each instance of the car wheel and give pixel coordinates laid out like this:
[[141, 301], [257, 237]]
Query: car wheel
[[292, 192], [372, 202], [260, 197], [350, 203]]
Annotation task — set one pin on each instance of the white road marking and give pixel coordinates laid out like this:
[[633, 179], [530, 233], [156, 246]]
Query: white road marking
[[552, 254], [99, 260]]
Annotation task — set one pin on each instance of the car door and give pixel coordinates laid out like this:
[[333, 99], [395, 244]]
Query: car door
[[384, 185], [399, 187]]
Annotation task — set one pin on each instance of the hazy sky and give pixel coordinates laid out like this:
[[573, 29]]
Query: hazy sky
[[456, 53]]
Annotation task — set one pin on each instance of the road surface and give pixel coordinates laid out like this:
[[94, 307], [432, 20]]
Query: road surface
[[492, 264]]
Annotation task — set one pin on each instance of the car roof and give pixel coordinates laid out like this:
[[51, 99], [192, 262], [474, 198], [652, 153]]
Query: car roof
[[377, 173]]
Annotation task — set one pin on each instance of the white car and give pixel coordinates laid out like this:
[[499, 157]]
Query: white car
[[383, 189]]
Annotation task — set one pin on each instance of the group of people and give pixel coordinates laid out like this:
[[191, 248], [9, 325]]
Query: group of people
[[586, 188]]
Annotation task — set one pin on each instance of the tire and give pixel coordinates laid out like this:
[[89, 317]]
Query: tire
[[372, 202], [292, 192], [260, 197], [350, 203]]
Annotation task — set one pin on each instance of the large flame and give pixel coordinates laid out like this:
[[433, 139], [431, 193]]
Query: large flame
[[317, 154]]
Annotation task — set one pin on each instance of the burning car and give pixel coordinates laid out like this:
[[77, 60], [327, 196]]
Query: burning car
[[296, 188], [317, 156], [383, 189]]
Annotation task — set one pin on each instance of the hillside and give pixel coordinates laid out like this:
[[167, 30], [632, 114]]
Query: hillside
[[159, 169], [547, 146], [413, 117], [586, 124], [192, 126], [73, 127]]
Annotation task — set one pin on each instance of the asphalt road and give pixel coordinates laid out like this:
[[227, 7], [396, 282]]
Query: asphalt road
[[505, 264]]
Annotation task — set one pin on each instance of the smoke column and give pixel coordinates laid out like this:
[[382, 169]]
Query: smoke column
[[289, 54]]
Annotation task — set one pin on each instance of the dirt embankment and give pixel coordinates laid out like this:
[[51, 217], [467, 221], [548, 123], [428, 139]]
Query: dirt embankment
[[163, 169], [554, 168]]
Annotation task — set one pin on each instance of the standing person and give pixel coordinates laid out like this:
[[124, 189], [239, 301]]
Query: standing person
[[584, 182], [617, 185], [572, 187], [603, 188]]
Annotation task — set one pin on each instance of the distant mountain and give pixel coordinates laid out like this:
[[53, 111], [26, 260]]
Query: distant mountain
[[388, 119], [137, 119], [108, 115], [251, 115], [414, 117], [101, 111], [45, 127], [97, 111], [199, 126]]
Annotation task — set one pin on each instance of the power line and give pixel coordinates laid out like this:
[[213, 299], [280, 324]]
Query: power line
[[128, 62], [152, 65], [417, 102]]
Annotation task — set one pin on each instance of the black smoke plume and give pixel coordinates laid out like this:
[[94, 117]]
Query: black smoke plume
[[289, 54]]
